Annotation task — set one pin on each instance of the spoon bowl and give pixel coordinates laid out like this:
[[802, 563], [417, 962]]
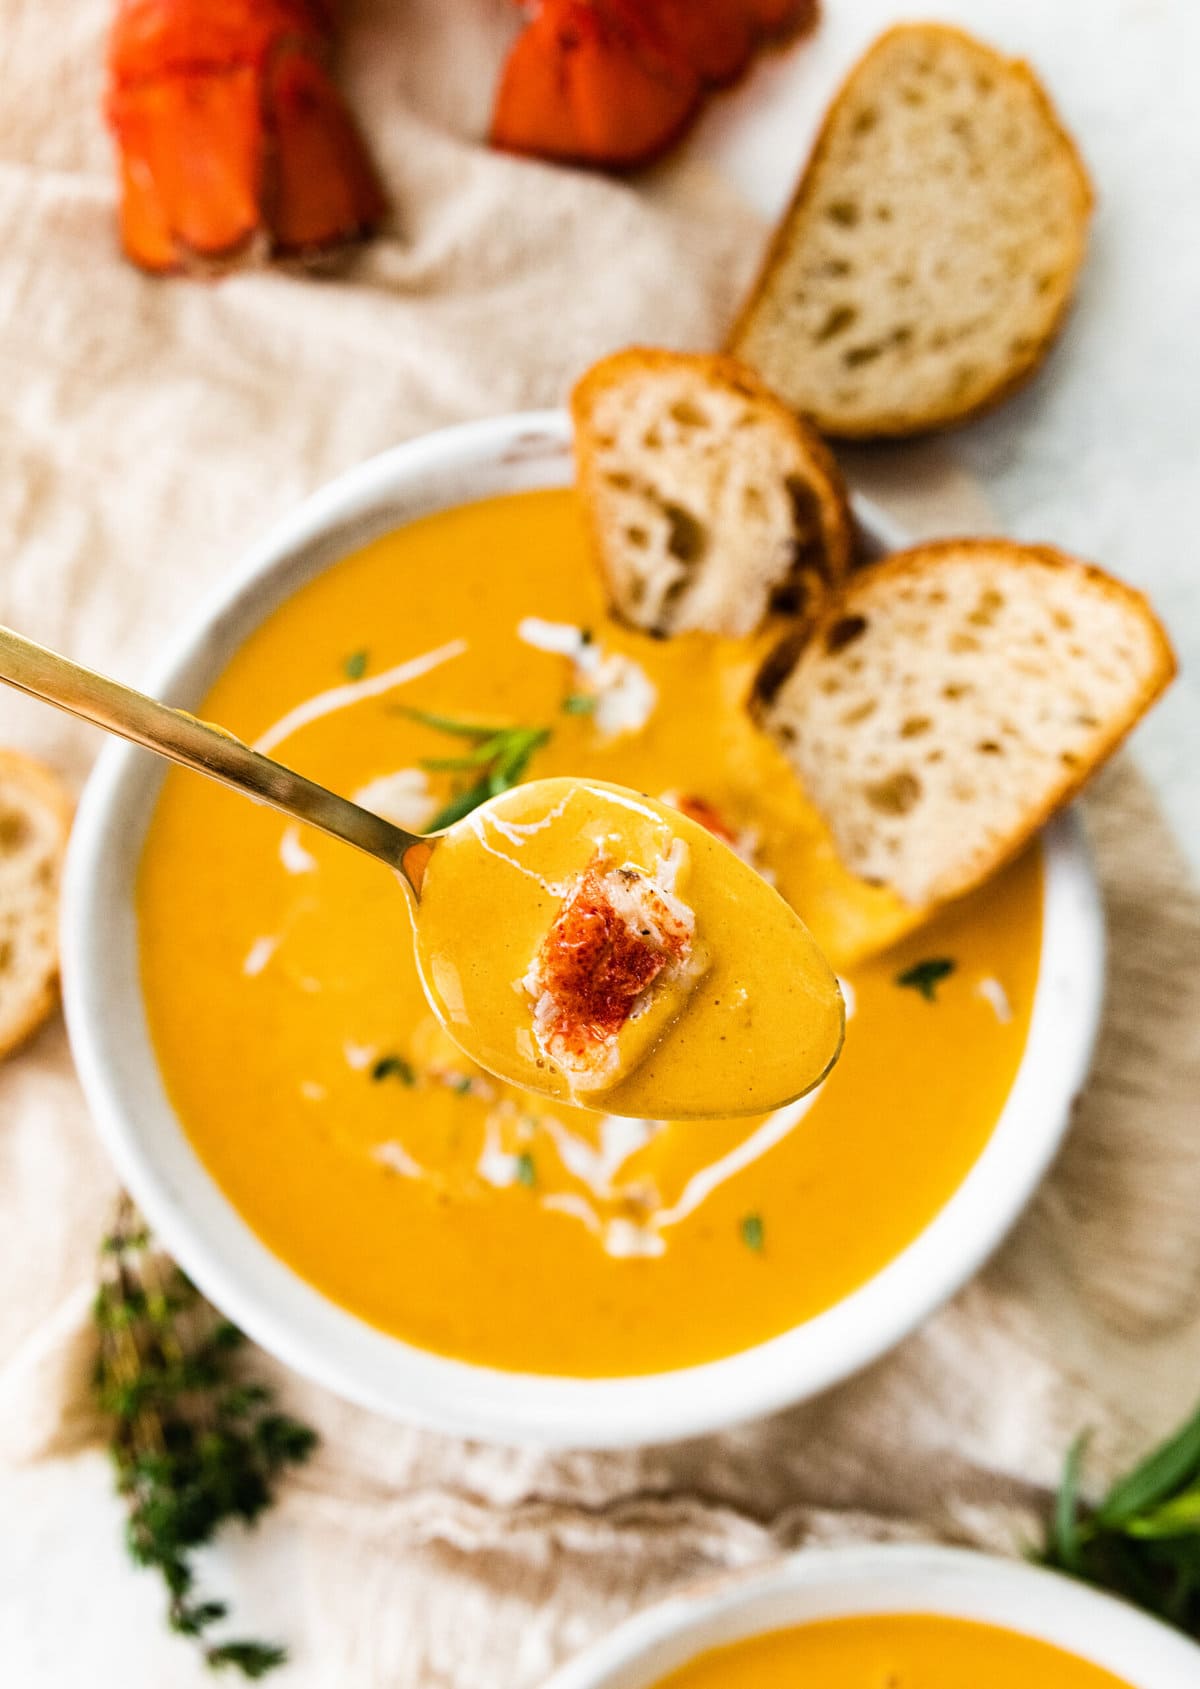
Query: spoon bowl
[[751, 1021]]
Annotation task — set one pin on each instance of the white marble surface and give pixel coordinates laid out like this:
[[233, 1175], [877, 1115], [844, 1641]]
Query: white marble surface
[[1101, 455]]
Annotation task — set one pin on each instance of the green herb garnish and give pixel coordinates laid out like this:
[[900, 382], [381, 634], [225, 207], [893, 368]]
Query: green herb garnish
[[753, 1235], [446, 723], [526, 1171], [1142, 1540], [926, 976], [194, 1443], [394, 1067], [462, 1087], [497, 758], [579, 703], [355, 665]]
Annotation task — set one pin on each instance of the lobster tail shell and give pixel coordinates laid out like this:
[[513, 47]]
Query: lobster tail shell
[[782, 17], [586, 82], [323, 188], [716, 40], [612, 83], [231, 133]]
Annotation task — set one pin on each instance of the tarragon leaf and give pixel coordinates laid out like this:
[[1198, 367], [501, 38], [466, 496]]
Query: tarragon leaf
[[500, 754], [1173, 1463]]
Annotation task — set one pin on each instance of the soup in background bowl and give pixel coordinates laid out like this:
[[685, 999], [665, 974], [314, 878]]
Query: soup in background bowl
[[251, 1032], [889, 1618]]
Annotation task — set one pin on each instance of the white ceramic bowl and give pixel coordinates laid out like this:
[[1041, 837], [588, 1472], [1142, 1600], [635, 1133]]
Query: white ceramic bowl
[[156, 1161], [844, 1582]]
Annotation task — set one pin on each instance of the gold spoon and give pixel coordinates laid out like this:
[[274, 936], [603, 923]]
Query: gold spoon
[[765, 1027], [206, 748]]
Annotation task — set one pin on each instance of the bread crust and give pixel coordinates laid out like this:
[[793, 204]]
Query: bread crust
[[717, 369], [44, 786], [1023, 368], [864, 589]]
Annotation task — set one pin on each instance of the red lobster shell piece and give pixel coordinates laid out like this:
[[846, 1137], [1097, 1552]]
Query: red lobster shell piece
[[716, 40], [782, 17], [720, 37], [613, 83], [231, 133], [588, 82]]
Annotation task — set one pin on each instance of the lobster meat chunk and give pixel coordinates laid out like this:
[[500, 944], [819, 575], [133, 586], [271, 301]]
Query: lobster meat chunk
[[615, 966], [613, 83], [231, 133]]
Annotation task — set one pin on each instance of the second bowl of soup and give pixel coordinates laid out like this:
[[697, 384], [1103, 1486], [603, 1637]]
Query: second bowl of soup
[[903, 1617]]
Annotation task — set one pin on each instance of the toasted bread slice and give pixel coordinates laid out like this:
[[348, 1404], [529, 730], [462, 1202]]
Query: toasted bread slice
[[929, 255], [958, 695], [711, 504], [35, 820]]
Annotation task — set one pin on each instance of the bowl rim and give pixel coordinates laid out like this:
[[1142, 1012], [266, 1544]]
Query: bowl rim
[[858, 1580], [282, 1312]]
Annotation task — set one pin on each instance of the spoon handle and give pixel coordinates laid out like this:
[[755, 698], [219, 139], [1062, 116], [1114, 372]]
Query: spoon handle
[[200, 746]]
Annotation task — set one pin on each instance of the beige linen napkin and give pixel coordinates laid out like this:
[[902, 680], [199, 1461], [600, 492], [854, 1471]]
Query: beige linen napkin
[[148, 432]]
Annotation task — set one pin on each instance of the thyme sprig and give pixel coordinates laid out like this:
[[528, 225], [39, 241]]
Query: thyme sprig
[[1142, 1539], [194, 1444], [496, 760]]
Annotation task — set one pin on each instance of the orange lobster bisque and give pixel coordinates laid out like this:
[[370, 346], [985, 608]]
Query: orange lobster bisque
[[891, 1651], [453, 1209]]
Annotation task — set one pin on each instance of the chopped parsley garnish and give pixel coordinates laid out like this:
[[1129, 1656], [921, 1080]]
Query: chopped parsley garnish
[[752, 1232], [462, 1087], [497, 757], [355, 665], [926, 976], [394, 1067], [579, 703], [526, 1171]]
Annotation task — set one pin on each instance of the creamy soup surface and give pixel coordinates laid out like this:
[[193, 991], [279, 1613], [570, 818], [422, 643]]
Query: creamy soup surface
[[891, 1651], [432, 1200]]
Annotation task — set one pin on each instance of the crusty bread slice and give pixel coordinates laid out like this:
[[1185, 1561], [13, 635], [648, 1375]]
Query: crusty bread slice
[[710, 503], [957, 696], [35, 820], [930, 253]]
